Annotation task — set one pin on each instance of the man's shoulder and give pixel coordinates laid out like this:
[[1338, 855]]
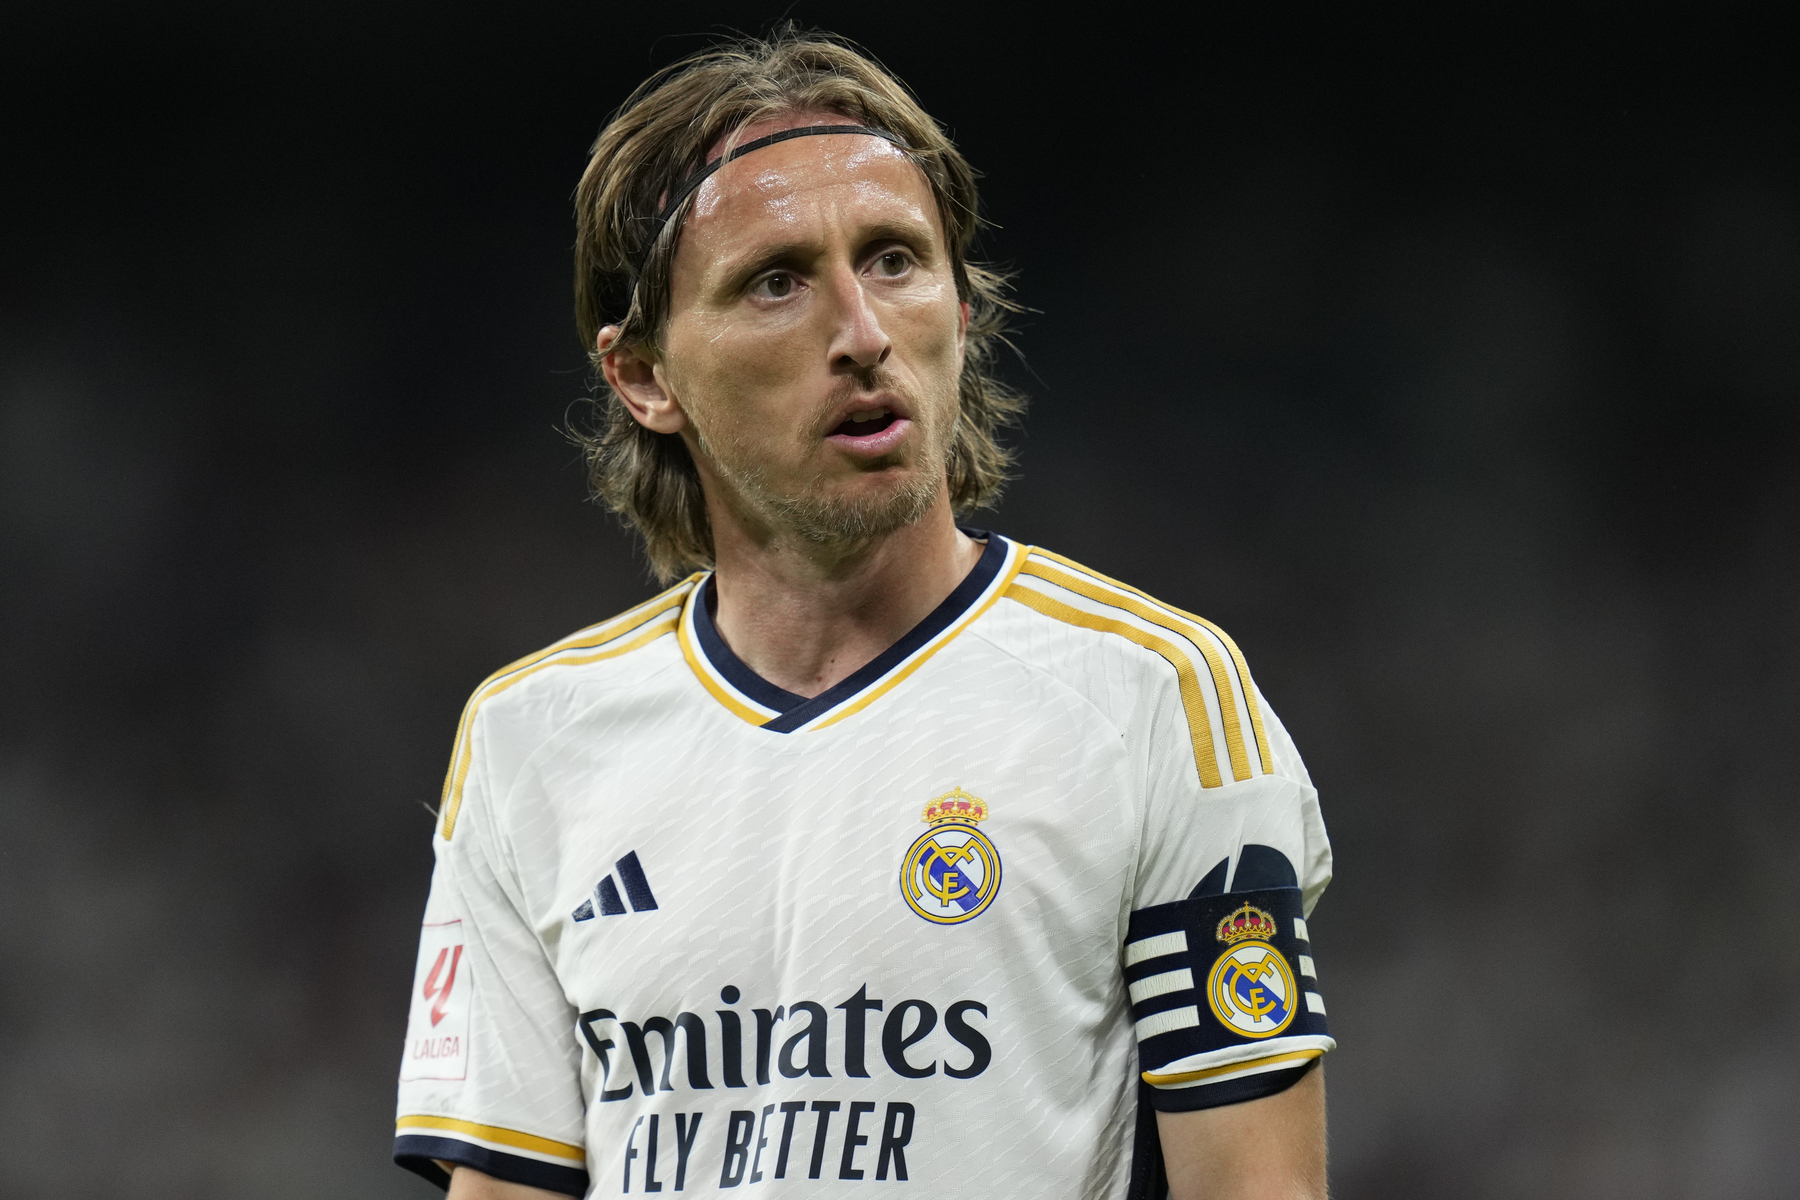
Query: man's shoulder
[[597, 653], [522, 705], [1054, 595], [1116, 645]]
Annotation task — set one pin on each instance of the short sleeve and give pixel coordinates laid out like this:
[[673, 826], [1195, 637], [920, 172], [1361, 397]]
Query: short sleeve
[[489, 1076], [1218, 958]]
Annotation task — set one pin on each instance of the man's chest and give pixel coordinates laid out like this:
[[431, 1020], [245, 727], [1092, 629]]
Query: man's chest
[[919, 857]]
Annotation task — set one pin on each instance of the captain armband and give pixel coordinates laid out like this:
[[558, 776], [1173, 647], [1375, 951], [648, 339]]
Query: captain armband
[[1225, 997]]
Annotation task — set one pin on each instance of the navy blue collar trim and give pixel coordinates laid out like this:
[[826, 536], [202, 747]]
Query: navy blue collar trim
[[798, 710], [730, 665]]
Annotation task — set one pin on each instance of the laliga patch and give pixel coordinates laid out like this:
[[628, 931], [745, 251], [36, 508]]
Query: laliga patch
[[437, 1030], [951, 872]]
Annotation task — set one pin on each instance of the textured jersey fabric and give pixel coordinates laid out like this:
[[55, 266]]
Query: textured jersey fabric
[[690, 932]]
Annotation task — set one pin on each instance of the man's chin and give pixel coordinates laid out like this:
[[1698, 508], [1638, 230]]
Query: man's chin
[[869, 509]]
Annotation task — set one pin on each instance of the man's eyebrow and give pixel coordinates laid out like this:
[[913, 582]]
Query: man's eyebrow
[[735, 269], [891, 230]]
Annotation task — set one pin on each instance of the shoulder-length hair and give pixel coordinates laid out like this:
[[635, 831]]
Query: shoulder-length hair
[[623, 256]]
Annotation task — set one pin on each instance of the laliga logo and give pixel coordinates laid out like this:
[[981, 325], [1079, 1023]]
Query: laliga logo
[[437, 1025], [951, 873], [1251, 990], [441, 991]]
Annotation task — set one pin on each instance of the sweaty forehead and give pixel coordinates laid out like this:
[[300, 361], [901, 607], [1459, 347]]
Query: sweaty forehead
[[779, 190]]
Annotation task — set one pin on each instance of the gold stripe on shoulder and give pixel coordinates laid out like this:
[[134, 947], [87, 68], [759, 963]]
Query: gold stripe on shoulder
[[1234, 737], [1237, 656], [603, 637], [1193, 701], [593, 635], [494, 1133]]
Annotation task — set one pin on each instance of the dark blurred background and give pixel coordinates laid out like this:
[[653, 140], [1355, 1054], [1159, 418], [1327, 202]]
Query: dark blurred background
[[1451, 365]]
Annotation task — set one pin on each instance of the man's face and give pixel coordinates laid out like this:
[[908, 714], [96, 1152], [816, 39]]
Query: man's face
[[815, 338]]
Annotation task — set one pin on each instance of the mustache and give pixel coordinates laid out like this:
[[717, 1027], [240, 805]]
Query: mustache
[[862, 381]]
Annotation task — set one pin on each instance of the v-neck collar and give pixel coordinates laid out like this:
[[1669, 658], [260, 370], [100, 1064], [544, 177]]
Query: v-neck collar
[[778, 710]]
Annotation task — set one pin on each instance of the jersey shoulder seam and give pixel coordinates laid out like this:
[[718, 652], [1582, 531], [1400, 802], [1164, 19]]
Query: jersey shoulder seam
[[552, 737], [616, 637], [982, 636]]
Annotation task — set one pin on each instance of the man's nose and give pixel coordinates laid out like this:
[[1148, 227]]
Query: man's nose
[[859, 341]]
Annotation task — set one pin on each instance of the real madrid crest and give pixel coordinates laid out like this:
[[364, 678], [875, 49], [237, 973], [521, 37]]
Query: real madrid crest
[[1251, 989], [951, 873]]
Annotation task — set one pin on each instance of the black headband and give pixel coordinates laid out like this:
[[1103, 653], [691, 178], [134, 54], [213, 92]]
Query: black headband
[[699, 177]]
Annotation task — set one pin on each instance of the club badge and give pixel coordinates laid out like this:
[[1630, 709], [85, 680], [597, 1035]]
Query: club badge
[[1251, 988], [951, 873]]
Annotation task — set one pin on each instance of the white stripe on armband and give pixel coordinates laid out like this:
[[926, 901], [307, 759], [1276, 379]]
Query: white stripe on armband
[[1162, 985], [1167, 1022], [1230, 1062], [1300, 929], [1155, 947], [1315, 1003], [1275, 1062], [1306, 966]]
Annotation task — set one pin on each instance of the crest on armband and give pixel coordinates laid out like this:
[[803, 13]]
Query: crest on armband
[[1251, 989], [1246, 922]]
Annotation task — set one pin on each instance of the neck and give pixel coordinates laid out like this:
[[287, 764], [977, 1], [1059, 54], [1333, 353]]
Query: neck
[[805, 616]]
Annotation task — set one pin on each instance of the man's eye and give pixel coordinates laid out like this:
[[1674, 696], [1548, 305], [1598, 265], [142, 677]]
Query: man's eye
[[775, 286], [894, 262]]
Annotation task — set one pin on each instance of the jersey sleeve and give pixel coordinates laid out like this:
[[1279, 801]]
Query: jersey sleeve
[[1218, 957], [489, 1077]]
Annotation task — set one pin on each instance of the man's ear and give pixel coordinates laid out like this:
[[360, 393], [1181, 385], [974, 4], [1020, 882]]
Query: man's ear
[[633, 377]]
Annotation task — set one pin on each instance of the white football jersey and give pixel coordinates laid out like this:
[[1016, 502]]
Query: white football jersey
[[689, 932]]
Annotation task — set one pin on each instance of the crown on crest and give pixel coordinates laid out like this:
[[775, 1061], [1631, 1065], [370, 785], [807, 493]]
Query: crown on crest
[[956, 805], [1246, 922]]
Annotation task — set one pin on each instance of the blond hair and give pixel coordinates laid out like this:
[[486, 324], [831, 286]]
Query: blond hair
[[623, 257]]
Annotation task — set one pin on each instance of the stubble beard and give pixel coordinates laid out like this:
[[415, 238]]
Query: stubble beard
[[815, 515]]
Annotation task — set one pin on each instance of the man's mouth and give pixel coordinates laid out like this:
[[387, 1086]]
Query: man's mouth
[[865, 424]]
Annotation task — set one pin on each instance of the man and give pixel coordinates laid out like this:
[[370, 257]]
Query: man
[[877, 850]]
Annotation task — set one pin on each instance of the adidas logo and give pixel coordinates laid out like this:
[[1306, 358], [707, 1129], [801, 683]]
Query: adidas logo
[[606, 892]]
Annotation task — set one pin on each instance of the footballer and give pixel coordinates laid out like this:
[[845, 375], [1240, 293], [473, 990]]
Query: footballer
[[879, 853]]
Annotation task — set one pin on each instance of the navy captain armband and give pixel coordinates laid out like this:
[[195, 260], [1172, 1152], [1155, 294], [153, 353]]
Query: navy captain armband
[[1225, 997]]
